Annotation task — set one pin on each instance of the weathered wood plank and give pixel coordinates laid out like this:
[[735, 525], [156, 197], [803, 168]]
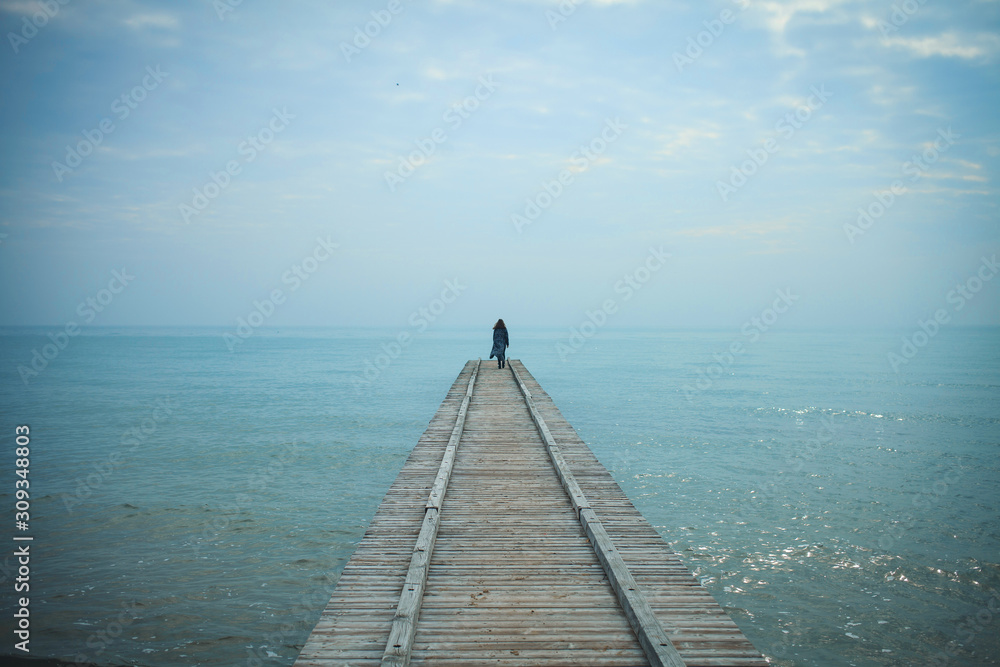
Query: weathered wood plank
[[654, 641], [440, 486], [404, 622], [500, 568]]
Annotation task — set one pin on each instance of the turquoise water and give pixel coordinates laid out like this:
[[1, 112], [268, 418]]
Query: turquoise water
[[195, 506]]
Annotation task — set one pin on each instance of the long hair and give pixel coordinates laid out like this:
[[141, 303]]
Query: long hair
[[500, 325]]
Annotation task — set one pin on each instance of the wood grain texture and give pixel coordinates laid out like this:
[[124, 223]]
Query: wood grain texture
[[652, 638], [399, 646], [512, 577]]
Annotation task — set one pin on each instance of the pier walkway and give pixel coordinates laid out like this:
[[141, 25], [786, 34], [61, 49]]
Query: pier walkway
[[503, 541]]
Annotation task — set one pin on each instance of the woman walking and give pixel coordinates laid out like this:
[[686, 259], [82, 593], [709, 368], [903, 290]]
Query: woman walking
[[500, 343]]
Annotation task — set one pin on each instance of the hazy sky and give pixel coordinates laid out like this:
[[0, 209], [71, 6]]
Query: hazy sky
[[116, 115]]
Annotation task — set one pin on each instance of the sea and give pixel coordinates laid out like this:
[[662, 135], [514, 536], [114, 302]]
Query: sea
[[193, 497]]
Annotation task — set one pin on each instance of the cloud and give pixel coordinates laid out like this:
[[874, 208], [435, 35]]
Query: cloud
[[22, 8], [969, 165], [162, 21], [743, 231], [949, 45], [681, 140], [401, 97], [436, 74], [779, 14], [892, 95], [555, 3]]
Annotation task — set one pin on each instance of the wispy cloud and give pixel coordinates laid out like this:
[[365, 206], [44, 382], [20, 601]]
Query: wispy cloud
[[779, 14], [949, 45], [21, 8], [740, 231], [161, 21], [682, 140], [610, 59]]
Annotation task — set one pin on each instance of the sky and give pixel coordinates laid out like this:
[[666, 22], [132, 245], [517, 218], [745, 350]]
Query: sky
[[674, 164]]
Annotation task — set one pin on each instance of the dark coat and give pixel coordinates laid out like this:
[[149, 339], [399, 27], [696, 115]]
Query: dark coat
[[500, 343]]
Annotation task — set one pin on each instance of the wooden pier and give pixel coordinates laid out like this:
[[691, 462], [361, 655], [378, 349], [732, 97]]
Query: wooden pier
[[503, 541]]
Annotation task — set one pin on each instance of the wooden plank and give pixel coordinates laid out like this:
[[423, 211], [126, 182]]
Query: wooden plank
[[507, 514], [646, 555], [654, 641], [404, 622], [576, 495], [440, 487], [502, 569]]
